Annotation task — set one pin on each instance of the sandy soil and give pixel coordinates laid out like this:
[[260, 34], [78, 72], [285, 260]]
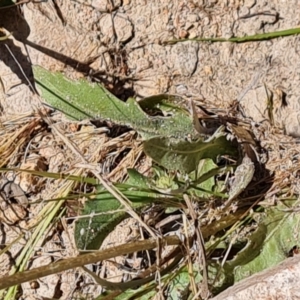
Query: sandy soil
[[123, 38]]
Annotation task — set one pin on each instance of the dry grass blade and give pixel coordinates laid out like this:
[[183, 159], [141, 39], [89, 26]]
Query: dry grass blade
[[132, 157], [3, 38], [6, 36], [42, 224], [200, 242], [15, 135], [145, 276], [190, 267], [85, 259]]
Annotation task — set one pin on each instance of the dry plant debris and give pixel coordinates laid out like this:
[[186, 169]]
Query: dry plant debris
[[46, 151], [29, 141]]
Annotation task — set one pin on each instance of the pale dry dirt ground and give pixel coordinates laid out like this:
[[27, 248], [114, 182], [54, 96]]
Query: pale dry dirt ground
[[121, 44]]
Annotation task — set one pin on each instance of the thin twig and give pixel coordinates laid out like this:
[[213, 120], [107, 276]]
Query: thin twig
[[193, 286], [3, 38], [85, 259], [202, 253]]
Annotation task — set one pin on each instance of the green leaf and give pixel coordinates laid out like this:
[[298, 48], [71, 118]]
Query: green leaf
[[205, 167], [184, 155], [163, 102], [247, 254], [137, 179], [81, 100], [282, 234], [93, 229], [100, 215], [179, 286], [277, 233], [145, 292]]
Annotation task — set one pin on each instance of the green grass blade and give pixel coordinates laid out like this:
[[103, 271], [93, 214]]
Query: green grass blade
[[243, 39]]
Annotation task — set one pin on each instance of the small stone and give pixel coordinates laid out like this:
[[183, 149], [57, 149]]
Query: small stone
[[244, 11], [208, 70], [181, 89], [193, 18], [183, 34], [105, 5], [193, 33], [249, 3], [121, 24], [100, 4], [124, 28], [206, 21], [185, 57]]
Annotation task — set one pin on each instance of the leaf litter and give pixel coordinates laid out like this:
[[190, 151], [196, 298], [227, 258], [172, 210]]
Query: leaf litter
[[282, 160], [105, 148]]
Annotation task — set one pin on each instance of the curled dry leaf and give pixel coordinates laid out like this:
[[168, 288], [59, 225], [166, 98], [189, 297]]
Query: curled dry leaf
[[243, 176], [13, 202], [29, 182], [11, 213], [11, 191]]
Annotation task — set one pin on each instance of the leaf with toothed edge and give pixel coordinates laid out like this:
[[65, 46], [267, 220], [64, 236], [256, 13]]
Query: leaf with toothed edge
[[184, 155], [84, 100]]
